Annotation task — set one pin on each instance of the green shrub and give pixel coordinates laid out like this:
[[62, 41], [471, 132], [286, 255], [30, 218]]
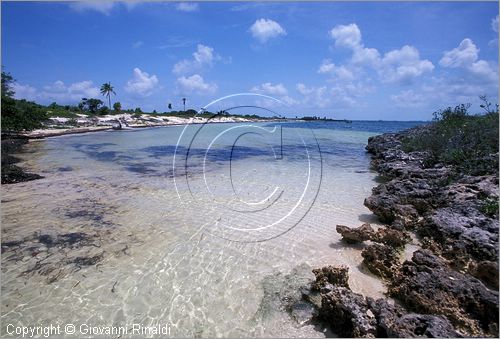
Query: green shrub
[[19, 115], [467, 142], [490, 207]]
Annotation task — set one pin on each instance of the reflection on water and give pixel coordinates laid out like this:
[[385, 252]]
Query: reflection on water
[[174, 244]]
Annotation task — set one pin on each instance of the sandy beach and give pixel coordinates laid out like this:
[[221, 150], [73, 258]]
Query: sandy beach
[[61, 126]]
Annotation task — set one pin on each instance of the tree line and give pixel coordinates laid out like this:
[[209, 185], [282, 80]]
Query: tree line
[[20, 114]]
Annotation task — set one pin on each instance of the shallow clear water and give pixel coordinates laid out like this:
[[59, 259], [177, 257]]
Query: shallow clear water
[[207, 215]]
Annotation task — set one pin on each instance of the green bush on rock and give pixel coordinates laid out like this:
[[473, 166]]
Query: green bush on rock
[[467, 142]]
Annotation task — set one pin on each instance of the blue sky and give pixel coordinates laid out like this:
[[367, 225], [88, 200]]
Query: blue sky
[[382, 60]]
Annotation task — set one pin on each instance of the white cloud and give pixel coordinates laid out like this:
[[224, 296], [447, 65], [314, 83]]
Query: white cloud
[[314, 96], [494, 24], [278, 91], [84, 87], [465, 58], [58, 91], [141, 84], [187, 7], [463, 55], [104, 7], [269, 88], [408, 98], [265, 29], [364, 56], [349, 36], [346, 36], [24, 92], [338, 96], [137, 44], [195, 84], [483, 70], [339, 72], [203, 56], [403, 65]]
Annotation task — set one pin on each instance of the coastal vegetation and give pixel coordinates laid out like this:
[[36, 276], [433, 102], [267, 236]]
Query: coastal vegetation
[[22, 115], [458, 138], [19, 114]]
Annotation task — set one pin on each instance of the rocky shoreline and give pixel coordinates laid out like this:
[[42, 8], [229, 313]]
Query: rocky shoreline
[[449, 288]]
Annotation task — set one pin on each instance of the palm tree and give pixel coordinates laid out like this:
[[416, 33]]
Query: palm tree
[[106, 90], [184, 103]]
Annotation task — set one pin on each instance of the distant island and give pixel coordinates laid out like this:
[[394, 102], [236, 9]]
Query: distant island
[[315, 118]]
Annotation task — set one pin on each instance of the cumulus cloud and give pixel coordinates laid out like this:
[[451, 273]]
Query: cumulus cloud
[[408, 98], [278, 91], [403, 65], [58, 91], [339, 72], [349, 36], [339, 95], [346, 36], [314, 96], [203, 56], [398, 66], [269, 88], [265, 29], [465, 58], [187, 7], [463, 55], [468, 78], [24, 92], [195, 84], [142, 84]]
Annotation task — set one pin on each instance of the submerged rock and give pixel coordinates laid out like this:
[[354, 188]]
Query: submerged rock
[[284, 293]]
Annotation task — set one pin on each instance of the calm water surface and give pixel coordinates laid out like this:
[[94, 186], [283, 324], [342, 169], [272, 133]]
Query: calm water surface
[[214, 219]]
